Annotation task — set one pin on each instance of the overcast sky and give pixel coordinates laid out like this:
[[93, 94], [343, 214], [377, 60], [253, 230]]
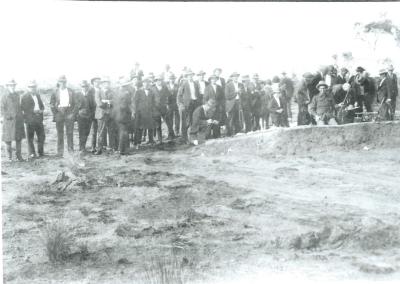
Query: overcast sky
[[84, 39]]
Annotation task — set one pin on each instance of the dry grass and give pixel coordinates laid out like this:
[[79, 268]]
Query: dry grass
[[58, 240]]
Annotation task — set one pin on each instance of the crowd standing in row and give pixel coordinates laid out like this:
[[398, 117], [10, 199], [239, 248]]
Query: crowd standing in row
[[193, 109]]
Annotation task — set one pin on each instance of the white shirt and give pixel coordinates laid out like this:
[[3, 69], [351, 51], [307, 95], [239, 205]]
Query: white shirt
[[215, 88], [276, 97], [219, 82], [202, 85], [35, 99], [192, 90], [64, 98], [146, 92], [236, 84], [159, 88]]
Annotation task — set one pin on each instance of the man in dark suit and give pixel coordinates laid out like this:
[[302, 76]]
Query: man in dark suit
[[162, 95], [277, 107], [202, 122], [123, 113], [233, 92], [288, 86], [188, 100], [245, 102], [137, 72], [173, 111], [112, 130], [383, 98], [393, 89], [256, 102], [220, 81], [86, 107], [214, 92], [342, 77], [63, 107], [32, 108]]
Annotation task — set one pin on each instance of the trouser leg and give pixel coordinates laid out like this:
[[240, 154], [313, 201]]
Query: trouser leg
[[158, 129], [392, 108], [83, 130], [184, 121], [247, 120], [138, 136], [95, 127], [69, 125], [18, 144], [101, 123], [9, 149], [168, 118], [113, 135], [177, 120], [60, 137], [236, 121], [41, 138], [123, 140], [30, 133], [151, 135], [289, 107]]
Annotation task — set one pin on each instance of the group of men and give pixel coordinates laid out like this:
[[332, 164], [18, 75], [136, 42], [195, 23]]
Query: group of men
[[139, 107]]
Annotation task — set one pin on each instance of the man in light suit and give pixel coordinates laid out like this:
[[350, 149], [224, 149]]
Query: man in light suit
[[32, 108], [188, 100], [233, 91]]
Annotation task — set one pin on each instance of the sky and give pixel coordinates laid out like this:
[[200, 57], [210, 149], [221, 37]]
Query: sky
[[44, 39]]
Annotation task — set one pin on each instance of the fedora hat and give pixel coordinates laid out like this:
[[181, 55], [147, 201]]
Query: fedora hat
[[124, 81], [62, 78], [213, 76], [390, 67], [321, 83], [235, 74], [32, 83], [360, 69], [255, 76], [105, 79], [201, 72], [382, 71], [159, 78], [172, 76], [189, 72], [11, 82], [84, 83], [245, 77]]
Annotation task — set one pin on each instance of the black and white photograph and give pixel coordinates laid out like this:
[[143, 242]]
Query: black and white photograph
[[200, 142]]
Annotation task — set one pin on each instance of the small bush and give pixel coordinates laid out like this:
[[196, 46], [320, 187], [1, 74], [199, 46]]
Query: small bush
[[165, 270], [58, 240]]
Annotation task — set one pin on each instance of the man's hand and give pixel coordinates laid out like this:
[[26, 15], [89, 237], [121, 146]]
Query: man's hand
[[133, 116], [279, 110], [317, 117], [388, 100], [209, 121]]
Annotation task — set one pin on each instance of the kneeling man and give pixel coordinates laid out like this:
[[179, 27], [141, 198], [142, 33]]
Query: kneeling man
[[202, 122]]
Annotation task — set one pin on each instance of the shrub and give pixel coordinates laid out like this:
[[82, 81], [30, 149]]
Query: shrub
[[58, 240]]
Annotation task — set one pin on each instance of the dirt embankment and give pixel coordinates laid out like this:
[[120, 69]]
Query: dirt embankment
[[309, 139]]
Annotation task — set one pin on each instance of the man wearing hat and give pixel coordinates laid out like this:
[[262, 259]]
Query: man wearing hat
[[63, 107], [95, 89], [302, 99], [214, 92], [266, 96], [143, 111], [103, 99], [32, 108], [201, 84], [13, 120], [173, 111], [342, 77], [393, 89], [233, 92], [188, 100], [277, 106], [112, 130], [86, 108], [202, 122], [322, 106], [123, 114], [288, 86], [383, 98], [245, 102], [220, 81], [136, 71], [162, 96], [256, 102]]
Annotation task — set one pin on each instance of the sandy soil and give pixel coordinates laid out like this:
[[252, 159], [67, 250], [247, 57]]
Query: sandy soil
[[223, 214]]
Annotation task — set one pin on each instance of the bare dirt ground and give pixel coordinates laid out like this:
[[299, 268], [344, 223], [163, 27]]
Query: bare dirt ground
[[316, 203]]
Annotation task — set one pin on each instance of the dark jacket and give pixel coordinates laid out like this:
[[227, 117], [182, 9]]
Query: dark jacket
[[323, 105], [230, 95], [70, 111], [28, 106], [393, 88], [278, 119], [199, 120], [172, 104], [184, 95], [161, 99], [144, 109], [86, 105], [122, 111], [219, 98]]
